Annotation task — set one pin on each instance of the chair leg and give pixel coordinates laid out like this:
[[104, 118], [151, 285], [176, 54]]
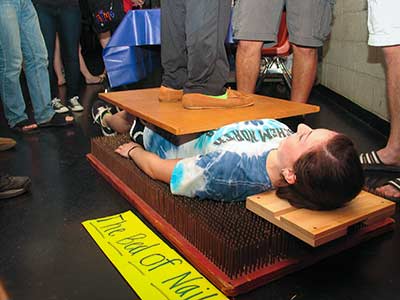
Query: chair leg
[[285, 72], [268, 62]]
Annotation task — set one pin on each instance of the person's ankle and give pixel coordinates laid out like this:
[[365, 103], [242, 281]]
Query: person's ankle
[[222, 97], [389, 156], [105, 118]]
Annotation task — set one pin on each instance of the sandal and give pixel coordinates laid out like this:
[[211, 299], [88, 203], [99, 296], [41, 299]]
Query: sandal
[[25, 126], [57, 120], [372, 183], [371, 161]]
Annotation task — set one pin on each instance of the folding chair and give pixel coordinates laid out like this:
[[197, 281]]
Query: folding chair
[[276, 56]]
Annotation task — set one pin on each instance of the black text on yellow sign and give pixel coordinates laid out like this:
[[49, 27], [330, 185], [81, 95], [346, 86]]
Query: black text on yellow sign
[[152, 268]]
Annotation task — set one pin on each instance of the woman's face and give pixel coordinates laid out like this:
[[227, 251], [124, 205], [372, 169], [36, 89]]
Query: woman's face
[[304, 140]]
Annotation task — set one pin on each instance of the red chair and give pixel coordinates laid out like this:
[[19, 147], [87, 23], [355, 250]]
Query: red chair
[[276, 56]]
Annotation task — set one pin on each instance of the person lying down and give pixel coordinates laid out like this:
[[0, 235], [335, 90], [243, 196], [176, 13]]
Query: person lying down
[[316, 169]]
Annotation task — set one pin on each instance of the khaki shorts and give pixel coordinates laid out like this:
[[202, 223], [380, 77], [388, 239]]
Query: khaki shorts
[[383, 22], [308, 21]]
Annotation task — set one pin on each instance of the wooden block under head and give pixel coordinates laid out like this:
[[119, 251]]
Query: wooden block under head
[[177, 120], [319, 227]]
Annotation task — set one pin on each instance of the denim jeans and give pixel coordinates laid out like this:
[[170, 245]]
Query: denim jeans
[[21, 42], [67, 22]]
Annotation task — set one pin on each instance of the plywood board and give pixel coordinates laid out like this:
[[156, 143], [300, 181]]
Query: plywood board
[[177, 120], [319, 227]]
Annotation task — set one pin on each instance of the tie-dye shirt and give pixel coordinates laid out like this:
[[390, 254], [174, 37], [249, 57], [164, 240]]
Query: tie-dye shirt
[[227, 164]]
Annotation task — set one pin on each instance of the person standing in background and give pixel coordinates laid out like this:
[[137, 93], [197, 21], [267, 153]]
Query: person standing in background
[[21, 43], [64, 17], [256, 21], [384, 32]]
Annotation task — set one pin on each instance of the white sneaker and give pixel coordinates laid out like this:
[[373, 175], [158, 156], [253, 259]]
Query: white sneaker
[[58, 106], [99, 110], [74, 104]]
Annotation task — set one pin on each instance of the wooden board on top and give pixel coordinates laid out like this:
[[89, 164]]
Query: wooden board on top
[[319, 227], [177, 120]]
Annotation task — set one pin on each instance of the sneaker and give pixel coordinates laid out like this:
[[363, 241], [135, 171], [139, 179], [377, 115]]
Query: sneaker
[[74, 104], [136, 131], [12, 186], [6, 143], [234, 99], [58, 106], [99, 110], [169, 94]]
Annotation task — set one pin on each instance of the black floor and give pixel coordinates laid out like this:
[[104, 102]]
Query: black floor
[[45, 253]]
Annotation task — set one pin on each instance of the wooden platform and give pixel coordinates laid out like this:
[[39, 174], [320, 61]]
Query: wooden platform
[[319, 227], [173, 118], [206, 232]]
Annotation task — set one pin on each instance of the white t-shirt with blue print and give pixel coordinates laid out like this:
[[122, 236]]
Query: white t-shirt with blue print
[[227, 164]]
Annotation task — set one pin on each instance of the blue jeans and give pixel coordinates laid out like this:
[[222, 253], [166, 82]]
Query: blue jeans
[[21, 41], [67, 22]]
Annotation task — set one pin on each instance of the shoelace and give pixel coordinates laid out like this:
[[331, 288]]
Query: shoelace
[[74, 101], [57, 103], [100, 112]]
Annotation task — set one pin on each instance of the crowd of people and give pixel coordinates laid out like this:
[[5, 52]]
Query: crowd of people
[[42, 38], [195, 72]]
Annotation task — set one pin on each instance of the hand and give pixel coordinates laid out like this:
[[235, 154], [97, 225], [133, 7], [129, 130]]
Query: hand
[[137, 3], [123, 149]]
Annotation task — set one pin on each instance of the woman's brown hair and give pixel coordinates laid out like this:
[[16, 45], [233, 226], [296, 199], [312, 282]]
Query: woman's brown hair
[[326, 177]]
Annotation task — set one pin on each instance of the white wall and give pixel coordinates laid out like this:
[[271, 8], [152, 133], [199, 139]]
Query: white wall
[[350, 67]]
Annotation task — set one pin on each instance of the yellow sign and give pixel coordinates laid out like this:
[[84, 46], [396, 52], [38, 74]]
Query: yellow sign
[[151, 267]]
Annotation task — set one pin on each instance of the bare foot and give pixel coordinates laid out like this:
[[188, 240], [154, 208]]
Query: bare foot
[[25, 126], [29, 127], [388, 191], [69, 119]]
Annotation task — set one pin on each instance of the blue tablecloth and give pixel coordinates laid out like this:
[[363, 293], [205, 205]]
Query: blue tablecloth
[[125, 59], [125, 62]]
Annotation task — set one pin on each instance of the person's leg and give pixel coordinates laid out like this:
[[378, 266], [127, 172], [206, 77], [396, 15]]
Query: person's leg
[[390, 155], [248, 56], [110, 122], [173, 47], [36, 63], [309, 24], [304, 70], [11, 63], [58, 64], [254, 21], [387, 35], [48, 26], [89, 77], [206, 27], [104, 38], [120, 122], [69, 32]]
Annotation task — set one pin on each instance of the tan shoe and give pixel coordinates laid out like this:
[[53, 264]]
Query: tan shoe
[[200, 101], [169, 94], [6, 143]]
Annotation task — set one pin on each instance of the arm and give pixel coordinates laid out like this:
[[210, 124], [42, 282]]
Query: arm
[[137, 3], [150, 163]]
